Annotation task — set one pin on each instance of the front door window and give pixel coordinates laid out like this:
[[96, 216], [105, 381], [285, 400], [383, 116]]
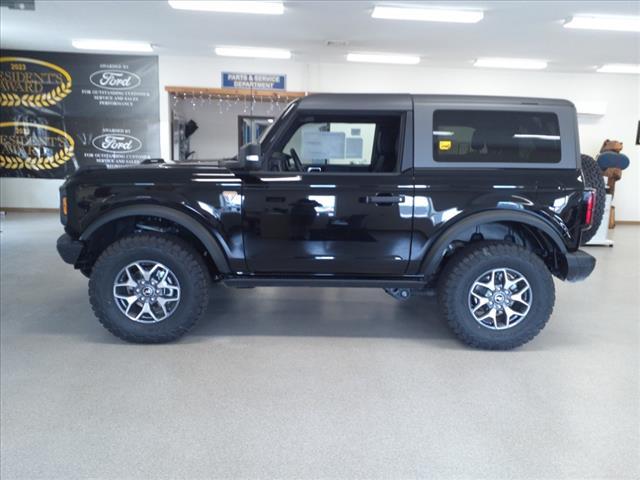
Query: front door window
[[335, 145]]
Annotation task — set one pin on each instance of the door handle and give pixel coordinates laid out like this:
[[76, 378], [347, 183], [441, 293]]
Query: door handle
[[384, 199]]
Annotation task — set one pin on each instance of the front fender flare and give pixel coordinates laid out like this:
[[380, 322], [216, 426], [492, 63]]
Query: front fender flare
[[439, 246], [186, 221]]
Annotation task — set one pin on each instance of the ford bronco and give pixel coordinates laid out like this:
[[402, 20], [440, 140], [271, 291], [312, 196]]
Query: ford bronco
[[480, 200]]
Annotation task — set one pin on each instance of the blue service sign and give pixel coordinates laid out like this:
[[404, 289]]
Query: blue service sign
[[255, 81]]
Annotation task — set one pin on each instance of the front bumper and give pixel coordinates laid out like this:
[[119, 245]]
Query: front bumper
[[69, 249], [578, 266]]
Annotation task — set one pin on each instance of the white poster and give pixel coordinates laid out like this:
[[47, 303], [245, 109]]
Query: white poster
[[322, 145]]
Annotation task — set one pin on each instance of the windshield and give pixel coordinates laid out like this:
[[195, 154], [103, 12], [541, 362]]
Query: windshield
[[280, 117]]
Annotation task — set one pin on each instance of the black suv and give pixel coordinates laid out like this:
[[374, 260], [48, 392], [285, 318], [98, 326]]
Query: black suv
[[480, 199]]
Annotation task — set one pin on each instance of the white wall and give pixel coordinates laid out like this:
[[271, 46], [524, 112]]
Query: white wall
[[29, 192], [621, 93]]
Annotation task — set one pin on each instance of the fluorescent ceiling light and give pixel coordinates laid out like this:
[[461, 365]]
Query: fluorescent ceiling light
[[264, 8], [383, 58], [619, 68], [253, 52], [428, 14], [518, 63], [112, 45], [605, 22]]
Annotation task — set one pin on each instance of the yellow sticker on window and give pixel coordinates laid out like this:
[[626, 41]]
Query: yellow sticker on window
[[444, 145]]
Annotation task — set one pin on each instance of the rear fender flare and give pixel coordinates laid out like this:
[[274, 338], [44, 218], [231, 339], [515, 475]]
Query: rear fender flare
[[185, 221], [438, 249]]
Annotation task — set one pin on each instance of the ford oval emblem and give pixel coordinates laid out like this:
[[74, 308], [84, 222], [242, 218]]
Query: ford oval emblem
[[117, 143], [115, 79]]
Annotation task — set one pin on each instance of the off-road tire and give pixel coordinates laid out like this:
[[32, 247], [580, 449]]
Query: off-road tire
[[176, 254], [470, 263], [592, 175]]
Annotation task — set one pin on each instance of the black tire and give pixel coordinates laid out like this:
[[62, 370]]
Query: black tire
[[185, 264], [592, 175], [468, 265]]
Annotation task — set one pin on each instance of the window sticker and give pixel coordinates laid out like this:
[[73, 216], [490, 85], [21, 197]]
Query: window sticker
[[354, 147], [322, 145]]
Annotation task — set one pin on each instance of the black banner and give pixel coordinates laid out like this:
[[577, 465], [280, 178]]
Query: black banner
[[61, 111]]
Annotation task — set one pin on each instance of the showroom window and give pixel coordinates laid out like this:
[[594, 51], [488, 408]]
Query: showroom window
[[495, 136], [342, 145]]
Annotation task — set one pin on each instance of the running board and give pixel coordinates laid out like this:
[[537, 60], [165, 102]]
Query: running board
[[322, 282]]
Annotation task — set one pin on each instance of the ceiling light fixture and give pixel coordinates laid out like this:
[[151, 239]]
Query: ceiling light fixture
[[605, 22], [253, 52], [516, 63], [263, 8], [383, 58], [112, 45], [619, 68], [428, 14]]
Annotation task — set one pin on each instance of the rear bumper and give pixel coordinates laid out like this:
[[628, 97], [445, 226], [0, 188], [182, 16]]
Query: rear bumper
[[69, 249], [578, 266]]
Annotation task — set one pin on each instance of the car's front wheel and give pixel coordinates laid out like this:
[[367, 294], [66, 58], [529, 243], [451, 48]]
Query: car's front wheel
[[496, 295], [149, 288]]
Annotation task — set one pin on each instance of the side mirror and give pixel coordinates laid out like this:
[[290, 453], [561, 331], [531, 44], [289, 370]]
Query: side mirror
[[249, 156]]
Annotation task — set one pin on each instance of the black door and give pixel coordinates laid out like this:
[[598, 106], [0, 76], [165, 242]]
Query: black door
[[337, 204]]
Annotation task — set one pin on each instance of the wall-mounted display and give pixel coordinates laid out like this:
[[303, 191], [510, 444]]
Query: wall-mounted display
[[61, 111]]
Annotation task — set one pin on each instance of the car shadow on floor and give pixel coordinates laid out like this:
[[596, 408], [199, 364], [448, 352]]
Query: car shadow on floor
[[321, 312], [304, 312]]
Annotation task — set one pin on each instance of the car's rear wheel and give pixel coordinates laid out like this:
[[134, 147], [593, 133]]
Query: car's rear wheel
[[149, 288], [496, 295]]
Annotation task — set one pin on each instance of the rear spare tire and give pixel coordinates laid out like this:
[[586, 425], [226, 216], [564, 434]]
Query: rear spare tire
[[592, 176]]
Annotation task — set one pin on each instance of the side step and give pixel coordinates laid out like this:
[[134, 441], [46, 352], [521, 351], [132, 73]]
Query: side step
[[254, 281]]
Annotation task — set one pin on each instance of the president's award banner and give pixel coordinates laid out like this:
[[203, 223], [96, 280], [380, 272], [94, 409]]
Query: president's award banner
[[60, 111]]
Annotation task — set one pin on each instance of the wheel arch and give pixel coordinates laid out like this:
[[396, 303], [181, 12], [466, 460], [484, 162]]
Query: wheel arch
[[183, 220], [529, 225]]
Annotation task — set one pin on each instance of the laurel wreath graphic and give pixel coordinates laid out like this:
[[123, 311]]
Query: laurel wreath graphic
[[13, 162], [37, 100]]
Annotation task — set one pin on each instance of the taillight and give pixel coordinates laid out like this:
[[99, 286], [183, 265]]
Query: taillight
[[589, 208]]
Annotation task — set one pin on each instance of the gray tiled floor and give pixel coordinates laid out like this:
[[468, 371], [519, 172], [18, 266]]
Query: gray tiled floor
[[309, 383]]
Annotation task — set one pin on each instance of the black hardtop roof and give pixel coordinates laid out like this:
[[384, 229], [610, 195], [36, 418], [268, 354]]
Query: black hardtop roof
[[404, 101]]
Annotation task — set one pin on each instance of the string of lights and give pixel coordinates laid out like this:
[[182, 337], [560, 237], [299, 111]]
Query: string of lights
[[225, 101]]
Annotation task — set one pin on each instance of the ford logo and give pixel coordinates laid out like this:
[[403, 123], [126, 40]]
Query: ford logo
[[115, 79], [117, 143]]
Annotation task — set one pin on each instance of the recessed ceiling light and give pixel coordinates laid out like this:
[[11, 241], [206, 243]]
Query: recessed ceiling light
[[428, 14], [112, 45], [264, 8], [383, 58], [517, 63], [605, 22], [253, 52], [620, 68]]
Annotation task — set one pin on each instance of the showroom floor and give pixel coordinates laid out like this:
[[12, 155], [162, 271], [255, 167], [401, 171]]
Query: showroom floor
[[311, 383]]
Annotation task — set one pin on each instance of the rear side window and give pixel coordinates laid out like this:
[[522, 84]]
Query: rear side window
[[489, 136]]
